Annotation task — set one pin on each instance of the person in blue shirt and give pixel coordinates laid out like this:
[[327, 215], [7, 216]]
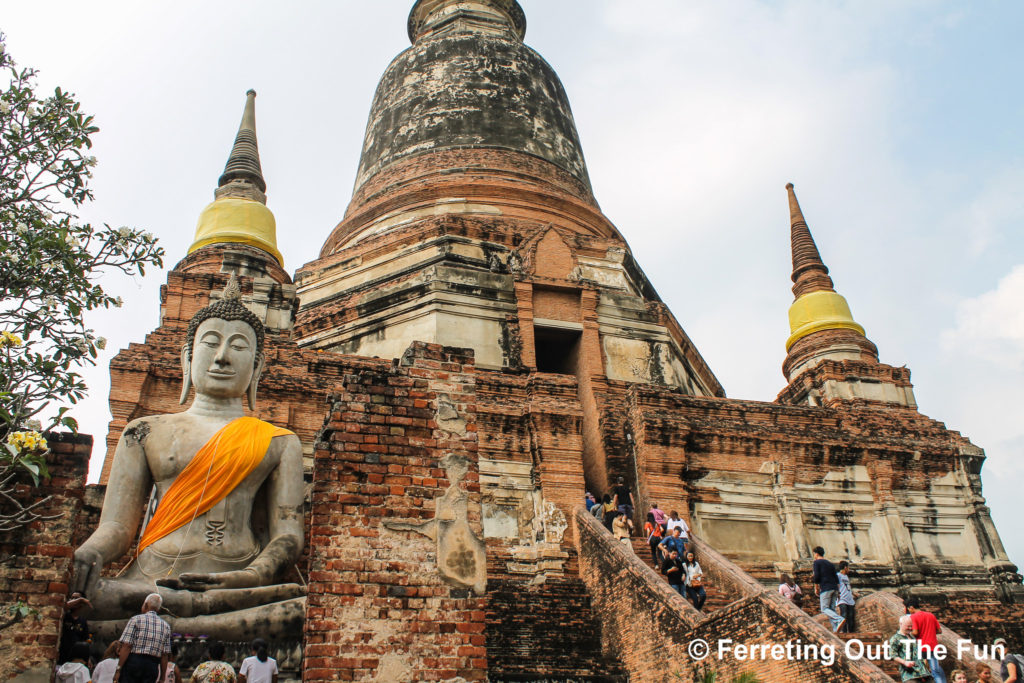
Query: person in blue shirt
[[674, 542], [846, 601]]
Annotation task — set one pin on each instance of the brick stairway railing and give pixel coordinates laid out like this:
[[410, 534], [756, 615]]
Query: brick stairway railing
[[649, 627], [881, 611], [545, 632]]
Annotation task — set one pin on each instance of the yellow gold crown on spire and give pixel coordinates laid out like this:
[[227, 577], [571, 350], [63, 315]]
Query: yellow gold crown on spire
[[239, 214]]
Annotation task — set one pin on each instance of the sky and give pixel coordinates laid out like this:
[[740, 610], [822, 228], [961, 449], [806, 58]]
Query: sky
[[901, 123]]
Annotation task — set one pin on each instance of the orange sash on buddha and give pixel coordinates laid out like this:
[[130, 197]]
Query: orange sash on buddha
[[222, 464]]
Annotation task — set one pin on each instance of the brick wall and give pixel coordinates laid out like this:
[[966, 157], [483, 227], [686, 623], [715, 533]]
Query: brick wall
[[35, 562], [377, 605]]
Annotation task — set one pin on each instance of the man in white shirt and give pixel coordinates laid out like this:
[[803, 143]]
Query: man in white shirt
[[684, 529]]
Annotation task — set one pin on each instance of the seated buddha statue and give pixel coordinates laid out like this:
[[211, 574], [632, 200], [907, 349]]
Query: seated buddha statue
[[226, 511]]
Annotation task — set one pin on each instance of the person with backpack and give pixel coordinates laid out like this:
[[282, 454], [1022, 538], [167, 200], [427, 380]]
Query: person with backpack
[[173, 674], [260, 668]]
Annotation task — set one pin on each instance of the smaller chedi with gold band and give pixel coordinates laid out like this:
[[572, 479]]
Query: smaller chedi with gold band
[[210, 469]]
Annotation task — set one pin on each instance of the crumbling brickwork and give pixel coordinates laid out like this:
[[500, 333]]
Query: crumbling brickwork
[[35, 562], [378, 605]]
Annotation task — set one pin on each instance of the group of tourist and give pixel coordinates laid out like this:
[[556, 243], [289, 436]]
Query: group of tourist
[[145, 654], [667, 536], [916, 639]]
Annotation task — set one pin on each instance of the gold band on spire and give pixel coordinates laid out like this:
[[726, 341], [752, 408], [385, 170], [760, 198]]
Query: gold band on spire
[[817, 311], [239, 214], [237, 221]]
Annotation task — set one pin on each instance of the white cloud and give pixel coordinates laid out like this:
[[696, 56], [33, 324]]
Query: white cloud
[[991, 326]]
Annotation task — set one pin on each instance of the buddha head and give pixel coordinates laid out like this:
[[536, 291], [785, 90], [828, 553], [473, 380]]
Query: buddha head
[[223, 352]]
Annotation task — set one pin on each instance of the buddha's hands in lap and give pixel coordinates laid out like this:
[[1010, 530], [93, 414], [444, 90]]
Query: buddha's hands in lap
[[88, 564], [194, 581]]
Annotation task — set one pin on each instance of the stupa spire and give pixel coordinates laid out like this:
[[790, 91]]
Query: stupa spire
[[810, 274], [817, 306], [244, 160], [239, 214], [432, 17]]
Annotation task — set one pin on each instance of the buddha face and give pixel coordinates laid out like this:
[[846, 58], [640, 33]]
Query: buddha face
[[223, 357]]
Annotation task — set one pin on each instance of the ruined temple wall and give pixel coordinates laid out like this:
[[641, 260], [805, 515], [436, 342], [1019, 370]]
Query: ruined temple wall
[[486, 283], [382, 602], [764, 483], [36, 562], [146, 378]]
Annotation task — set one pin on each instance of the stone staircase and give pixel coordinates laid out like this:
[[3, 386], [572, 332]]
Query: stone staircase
[[716, 598], [545, 633]]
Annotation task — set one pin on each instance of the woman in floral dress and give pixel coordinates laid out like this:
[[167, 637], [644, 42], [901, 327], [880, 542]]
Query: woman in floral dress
[[214, 670]]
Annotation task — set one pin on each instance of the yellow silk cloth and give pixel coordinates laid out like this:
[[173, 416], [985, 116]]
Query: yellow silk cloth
[[222, 464]]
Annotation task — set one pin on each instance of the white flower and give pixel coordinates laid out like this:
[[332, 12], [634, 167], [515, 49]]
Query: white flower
[[90, 161], [101, 343], [5, 108], [32, 110], [22, 228], [47, 215], [81, 344], [16, 127], [72, 241], [50, 302], [147, 235], [118, 302], [34, 425], [124, 231]]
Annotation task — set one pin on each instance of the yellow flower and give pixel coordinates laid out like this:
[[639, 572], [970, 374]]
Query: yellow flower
[[9, 339], [27, 442]]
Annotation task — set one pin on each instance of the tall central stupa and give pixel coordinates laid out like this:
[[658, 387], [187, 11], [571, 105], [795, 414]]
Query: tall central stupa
[[473, 222]]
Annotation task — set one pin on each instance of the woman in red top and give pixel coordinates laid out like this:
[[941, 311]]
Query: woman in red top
[[653, 531]]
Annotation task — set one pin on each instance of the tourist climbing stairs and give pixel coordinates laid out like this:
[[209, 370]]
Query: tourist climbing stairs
[[716, 598]]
